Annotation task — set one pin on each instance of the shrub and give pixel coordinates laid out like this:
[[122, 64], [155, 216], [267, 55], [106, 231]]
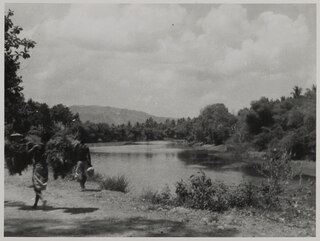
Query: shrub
[[163, 197], [277, 170], [119, 183], [202, 193], [149, 195], [243, 195]]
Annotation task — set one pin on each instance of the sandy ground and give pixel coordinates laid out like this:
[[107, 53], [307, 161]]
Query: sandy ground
[[70, 212]]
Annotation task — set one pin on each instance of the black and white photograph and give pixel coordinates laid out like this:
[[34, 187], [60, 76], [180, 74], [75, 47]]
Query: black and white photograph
[[159, 119]]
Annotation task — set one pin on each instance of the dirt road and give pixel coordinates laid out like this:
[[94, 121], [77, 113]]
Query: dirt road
[[70, 212]]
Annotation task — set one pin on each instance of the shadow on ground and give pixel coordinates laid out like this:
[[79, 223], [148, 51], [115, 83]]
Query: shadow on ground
[[23, 206], [92, 190], [132, 227]]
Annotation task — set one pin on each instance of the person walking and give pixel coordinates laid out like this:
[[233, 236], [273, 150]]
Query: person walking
[[83, 165], [39, 174]]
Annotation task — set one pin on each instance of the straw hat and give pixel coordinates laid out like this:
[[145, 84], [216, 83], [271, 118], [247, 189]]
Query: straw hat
[[16, 135]]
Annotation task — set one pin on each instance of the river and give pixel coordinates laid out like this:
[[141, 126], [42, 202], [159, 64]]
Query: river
[[154, 165]]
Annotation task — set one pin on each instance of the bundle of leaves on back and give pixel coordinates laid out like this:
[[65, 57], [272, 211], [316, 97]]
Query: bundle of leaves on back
[[17, 159], [17, 155], [61, 152]]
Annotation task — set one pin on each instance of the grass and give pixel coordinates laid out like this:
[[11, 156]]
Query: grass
[[116, 183], [158, 197]]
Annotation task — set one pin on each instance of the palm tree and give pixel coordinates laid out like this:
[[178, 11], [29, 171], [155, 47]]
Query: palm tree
[[296, 93]]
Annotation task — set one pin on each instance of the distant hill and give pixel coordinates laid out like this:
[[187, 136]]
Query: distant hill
[[112, 115]]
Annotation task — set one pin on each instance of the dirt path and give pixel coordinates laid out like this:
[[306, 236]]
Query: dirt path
[[70, 212]]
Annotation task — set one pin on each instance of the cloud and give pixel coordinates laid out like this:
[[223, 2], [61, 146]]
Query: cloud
[[116, 27], [227, 24], [164, 60], [259, 45]]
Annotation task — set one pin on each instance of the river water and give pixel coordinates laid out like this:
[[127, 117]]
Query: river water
[[153, 165]]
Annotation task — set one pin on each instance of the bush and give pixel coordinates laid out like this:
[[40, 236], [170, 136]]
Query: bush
[[119, 183], [202, 193], [149, 195], [243, 195], [163, 197], [277, 170]]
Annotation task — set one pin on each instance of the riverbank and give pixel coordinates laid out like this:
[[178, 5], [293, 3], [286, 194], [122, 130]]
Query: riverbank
[[301, 167], [104, 213]]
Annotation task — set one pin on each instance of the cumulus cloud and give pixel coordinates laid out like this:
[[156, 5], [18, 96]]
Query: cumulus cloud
[[116, 27], [165, 60]]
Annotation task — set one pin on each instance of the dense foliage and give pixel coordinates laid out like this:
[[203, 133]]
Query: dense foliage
[[288, 123], [214, 125]]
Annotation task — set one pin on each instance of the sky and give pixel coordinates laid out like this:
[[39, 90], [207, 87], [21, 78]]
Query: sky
[[168, 60]]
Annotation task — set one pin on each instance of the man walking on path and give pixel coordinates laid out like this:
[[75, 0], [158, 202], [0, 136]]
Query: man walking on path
[[83, 164]]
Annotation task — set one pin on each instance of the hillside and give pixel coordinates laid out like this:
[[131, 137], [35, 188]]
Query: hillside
[[111, 115]]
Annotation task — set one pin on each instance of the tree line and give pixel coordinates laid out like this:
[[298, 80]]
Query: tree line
[[288, 123]]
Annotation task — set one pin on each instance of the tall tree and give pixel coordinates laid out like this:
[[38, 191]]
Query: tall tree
[[61, 113], [15, 49], [217, 123]]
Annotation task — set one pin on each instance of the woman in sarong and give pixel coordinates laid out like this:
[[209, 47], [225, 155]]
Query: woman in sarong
[[40, 173], [84, 162]]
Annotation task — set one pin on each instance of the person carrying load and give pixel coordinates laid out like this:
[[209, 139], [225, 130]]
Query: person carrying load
[[84, 166], [39, 174]]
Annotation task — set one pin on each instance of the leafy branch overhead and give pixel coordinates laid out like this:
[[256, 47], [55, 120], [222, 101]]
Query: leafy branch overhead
[[15, 49]]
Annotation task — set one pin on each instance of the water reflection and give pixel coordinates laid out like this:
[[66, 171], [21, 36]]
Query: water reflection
[[127, 155], [200, 158]]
